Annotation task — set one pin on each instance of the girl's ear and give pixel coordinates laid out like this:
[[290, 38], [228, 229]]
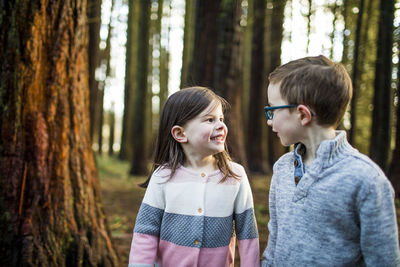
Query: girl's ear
[[305, 114], [178, 134]]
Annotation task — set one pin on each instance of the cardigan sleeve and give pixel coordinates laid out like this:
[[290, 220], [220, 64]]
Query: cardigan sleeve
[[378, 227], [147, 227], [268, 255], [245, 224]]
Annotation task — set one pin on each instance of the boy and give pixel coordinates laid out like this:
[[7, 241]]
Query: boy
[[329, 204]]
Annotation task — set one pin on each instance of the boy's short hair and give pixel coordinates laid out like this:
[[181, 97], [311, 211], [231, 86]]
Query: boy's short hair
[[318, 83]]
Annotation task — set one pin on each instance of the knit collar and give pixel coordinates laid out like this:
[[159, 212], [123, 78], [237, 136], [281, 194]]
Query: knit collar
[[328, 153]]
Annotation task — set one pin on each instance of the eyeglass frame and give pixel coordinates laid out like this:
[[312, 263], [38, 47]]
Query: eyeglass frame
[[270, 114]]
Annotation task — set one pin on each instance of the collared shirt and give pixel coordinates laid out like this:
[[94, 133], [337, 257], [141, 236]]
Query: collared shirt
[[340, 213]]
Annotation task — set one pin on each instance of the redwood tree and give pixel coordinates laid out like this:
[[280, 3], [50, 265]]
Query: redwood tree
[[380, 139], [394, 169], [217, 61], [274, 44], [256, 120], [50, 203]]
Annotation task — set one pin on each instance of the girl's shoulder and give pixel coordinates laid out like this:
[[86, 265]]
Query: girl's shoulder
[[238, 169], [161, 173]]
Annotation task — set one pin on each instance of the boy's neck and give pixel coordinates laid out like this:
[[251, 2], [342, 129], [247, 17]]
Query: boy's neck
[[314, 138]]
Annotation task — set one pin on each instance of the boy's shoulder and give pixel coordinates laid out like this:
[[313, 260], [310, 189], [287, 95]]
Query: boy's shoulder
[[361, 166]]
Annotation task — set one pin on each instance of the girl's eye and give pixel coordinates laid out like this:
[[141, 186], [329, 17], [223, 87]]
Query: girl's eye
[[221, 119], [210, 119]]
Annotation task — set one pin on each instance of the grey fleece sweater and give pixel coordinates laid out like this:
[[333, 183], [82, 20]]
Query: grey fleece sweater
[[341, 212]]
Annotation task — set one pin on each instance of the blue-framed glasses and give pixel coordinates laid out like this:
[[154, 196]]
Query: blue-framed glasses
[[269, 111]]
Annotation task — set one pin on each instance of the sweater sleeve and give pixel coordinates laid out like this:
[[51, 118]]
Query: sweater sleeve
[[379, 233], [147, 227], [268, 255], [246, 226]]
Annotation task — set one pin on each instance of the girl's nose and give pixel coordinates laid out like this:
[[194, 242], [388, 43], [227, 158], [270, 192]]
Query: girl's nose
[[269, 122], [221, 125]]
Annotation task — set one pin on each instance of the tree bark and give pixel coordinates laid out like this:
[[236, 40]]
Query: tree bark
[[217, 62], [50, 201], [394, 169], [355, 74], [139, 134], [380, 139], [188, 42], [258, 79], [125, 152], [275, 148], [94, 21]]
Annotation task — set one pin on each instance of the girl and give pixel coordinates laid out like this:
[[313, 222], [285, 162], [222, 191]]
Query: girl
[[195, 191]]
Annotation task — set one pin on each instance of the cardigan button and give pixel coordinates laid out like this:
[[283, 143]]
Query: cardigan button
[[297, 179], [200, 210], [203, 174], [196, 242], [296, 163]]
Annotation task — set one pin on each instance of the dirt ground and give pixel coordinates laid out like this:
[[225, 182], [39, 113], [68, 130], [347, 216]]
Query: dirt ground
[[122, 198]]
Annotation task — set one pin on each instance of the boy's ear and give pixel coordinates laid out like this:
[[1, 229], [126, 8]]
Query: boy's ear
[[305, 114], [178, 134]]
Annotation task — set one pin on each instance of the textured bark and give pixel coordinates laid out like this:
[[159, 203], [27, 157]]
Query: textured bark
[[380, 139], [50, 203], [257, 101]]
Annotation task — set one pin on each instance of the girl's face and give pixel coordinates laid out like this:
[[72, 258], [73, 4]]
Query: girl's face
[[285, 124], [206, 133]]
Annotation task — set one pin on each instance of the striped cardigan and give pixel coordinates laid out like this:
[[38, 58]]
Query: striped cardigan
[[188, 221]]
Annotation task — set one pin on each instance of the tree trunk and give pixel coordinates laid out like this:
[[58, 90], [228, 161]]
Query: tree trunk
[[228, 69], [309, 14], [139, 134], [394, 170], [50, 201], [112, 131], [217, 62], [380, 139], [105, 60], [258, 98], [125, 152], [94, 21], [188, 42], [275, 148], [355, 74]]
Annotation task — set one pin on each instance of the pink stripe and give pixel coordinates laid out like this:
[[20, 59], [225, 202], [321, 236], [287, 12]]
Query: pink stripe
[[175, 255], [216, 257], [249, 250], [143, 249]]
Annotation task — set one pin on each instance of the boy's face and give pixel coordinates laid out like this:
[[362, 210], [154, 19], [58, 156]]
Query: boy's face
[[285, 123]]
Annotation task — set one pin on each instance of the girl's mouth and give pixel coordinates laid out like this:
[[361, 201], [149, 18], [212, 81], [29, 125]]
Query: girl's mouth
[[219, 138]]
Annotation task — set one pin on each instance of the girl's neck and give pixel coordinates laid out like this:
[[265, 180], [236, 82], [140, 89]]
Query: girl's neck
[[206, 164]]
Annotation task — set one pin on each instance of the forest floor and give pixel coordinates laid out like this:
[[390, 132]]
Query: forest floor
[[122, 198]]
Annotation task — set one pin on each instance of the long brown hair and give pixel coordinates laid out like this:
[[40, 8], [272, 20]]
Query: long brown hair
[[181, 107]]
